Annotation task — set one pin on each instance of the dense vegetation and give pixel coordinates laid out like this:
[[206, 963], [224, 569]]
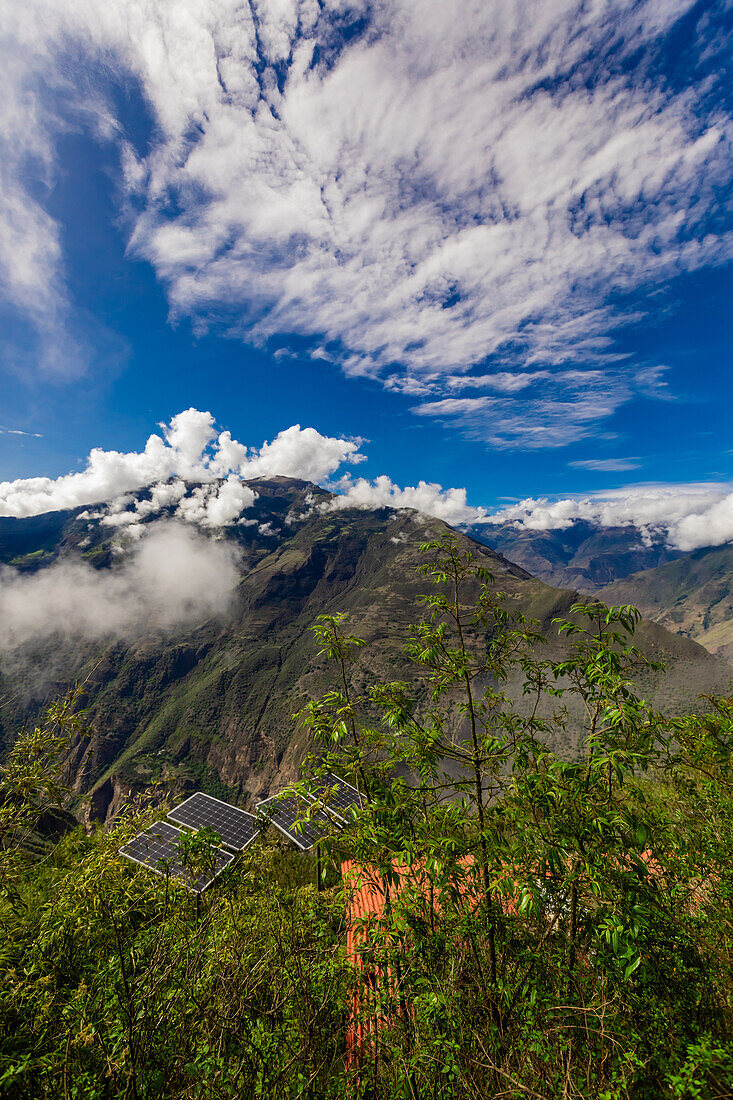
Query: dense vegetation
[[550, 928]]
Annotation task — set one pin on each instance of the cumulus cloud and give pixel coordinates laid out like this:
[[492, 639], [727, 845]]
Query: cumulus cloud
[[189, 449], [303, 453], [447, 504], [685, 516], [425, 190], [172, 577], [217, 508], [197, 474]]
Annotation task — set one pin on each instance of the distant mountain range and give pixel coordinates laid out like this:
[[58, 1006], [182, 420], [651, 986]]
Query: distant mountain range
[[692, 596], [584, 556], [688, 593], [211, 704]]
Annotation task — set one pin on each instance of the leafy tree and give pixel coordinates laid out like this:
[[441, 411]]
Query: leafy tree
[[544, 882]]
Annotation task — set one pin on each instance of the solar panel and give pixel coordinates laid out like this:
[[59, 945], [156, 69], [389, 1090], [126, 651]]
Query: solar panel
[[285, 812], [335, 795], [236, 828], [157, 848]]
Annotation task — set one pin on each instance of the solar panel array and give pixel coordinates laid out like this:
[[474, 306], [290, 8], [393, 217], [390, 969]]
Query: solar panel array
[[236, 828], [157, 847], [335, 795], [287, 815], [328, 803]]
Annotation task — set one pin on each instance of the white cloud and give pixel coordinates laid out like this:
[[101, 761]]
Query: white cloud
[[453, 184], [198, 475], [501, 382], [173, 576], [447, 504], [189, 450], [37, 81], [162, 496], [709, 526], [562, 409], [216, 506], [189, 434], [111, 473], [31, 270], [687, 516], [606, 465], [303, 453]]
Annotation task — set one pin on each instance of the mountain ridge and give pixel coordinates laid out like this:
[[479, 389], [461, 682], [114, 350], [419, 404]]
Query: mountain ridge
[[692, 596], [211, 704]]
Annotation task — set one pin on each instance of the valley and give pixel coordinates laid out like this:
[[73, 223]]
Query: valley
[[211, 704]]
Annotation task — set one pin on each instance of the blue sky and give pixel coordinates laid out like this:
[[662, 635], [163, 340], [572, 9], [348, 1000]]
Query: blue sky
[[494, 242]]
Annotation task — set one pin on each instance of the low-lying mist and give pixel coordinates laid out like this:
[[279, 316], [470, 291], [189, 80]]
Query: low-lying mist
[[173, 576]]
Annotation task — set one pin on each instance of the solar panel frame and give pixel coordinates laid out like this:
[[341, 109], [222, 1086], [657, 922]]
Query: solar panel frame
[[339, 803], [170, 835], [195, 818], [285, 816]]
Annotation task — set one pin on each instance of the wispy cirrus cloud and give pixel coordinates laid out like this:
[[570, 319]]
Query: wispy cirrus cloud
[[431, 192], [556, 408], [606, 465], [43, 329]]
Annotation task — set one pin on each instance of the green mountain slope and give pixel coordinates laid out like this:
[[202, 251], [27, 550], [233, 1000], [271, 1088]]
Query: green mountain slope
[[692, 596], [213, 705]]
